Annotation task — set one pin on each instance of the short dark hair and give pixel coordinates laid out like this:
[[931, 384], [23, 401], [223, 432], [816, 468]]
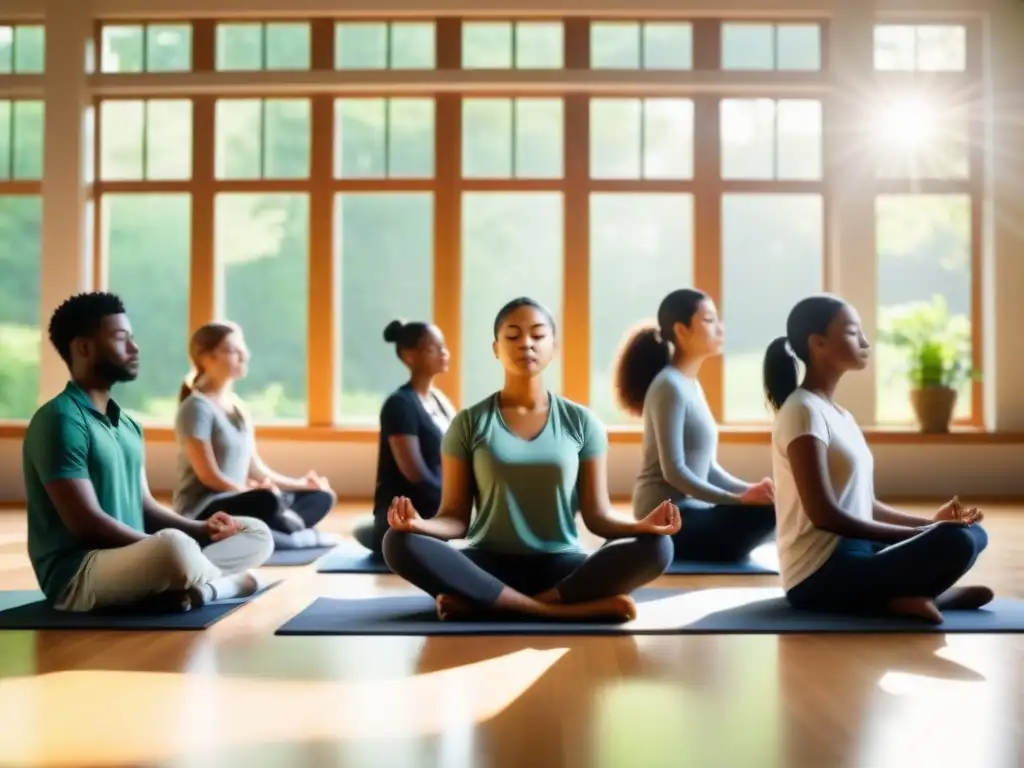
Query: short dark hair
[[517, 303], [79, 316], [810, 317]]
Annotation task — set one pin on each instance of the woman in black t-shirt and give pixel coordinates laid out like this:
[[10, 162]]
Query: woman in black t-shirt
[[413, 420]]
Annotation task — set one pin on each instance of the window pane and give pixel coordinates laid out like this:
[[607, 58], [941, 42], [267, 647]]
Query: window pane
[[487, 45], [487, 138], [668, 139], [924, 276], [122, 49], [6, 50], [145, 242], [615, 126], [748, 46], [641, 247], [511, 246], [286, 139], [894, 47], [239, 141], [538, 138], [941, 48], [614, 45], [667, 45], [20, 334], [6, 148], [915, 138], [27, 140], [799, 47], [799, 134], [772, 256], [29, 49], [412, 45], [169, 139], [169, 48], [748, 138], [288, 46], [361, 45], [411, 138], [386, 271], [121, 140], [262, 252], [240, 47], [539, 45], [360, 138]]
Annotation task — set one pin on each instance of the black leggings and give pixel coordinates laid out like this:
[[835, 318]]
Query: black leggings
[[617, 568], [862, 576], [370, 533], [725, 533], [265, 505]]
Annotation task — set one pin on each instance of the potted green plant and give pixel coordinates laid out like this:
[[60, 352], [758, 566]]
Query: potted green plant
[[938, 359]]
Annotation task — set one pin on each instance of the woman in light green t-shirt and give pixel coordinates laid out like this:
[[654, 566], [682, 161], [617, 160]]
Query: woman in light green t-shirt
[[529, 460]]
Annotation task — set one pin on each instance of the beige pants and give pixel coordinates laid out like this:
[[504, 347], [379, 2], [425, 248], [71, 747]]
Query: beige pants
[[167, 561]]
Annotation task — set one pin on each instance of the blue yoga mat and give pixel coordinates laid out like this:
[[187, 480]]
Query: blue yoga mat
[[727, 610], [350, 557], [288, 557], [27, 610]]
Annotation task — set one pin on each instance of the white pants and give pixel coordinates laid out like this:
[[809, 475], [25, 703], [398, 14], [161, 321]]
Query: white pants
[[170, 560]]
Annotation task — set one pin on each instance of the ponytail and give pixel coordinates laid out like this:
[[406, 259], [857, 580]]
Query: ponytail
[[780, 373], [188, 385], [642, 357]]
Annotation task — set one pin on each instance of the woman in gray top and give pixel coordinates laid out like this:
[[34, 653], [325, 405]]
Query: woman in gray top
[[723, 518], [219, 468]]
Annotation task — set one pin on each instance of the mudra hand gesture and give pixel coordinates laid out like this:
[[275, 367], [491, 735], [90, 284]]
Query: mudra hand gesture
[[402, 515], [664, 520], [953, 511]]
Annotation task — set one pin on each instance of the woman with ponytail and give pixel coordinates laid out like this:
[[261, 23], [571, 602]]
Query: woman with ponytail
[[219, 468], [839, 547], [413, 421], [723, 518]]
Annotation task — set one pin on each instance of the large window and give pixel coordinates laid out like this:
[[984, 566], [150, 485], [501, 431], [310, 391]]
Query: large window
[[262, 252], [385, 272], [511, 246], [641, 247], [313, 217], [145, 243], [924, 282], [20, 233], [772, 256]]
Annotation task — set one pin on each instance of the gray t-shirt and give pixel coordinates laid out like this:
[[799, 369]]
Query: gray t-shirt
[[679, 450], [230, 436]]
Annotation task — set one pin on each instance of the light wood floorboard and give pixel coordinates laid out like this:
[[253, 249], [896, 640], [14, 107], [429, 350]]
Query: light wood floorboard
[[235, 695]]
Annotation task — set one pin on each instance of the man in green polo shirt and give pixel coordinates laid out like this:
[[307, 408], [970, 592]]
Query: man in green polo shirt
[[96, 535]]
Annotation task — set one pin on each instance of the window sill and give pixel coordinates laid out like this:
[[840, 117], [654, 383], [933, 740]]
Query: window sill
[[728, 435]]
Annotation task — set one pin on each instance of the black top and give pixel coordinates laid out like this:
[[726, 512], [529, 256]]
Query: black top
[[403, 414]]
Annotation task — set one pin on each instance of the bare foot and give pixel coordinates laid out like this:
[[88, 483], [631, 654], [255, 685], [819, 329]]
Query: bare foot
[[617, 609], [452, 608], [915, 608], [964, 598]]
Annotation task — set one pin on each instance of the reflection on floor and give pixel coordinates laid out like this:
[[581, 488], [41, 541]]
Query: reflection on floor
[[237, 695]]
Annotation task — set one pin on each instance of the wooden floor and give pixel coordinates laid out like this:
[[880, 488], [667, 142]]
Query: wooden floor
[[235, 695]]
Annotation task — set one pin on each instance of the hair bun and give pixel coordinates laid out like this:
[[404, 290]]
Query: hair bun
[[391, 331]]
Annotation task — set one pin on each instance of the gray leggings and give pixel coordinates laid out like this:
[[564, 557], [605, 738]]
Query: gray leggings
[[617, 568]]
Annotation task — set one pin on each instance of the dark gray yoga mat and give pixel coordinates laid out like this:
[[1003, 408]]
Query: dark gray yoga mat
[[728, 610], [27, 610], [350, 557], [287, 557]]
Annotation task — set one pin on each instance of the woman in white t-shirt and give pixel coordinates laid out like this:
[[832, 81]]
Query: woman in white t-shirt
[[839, 547]]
